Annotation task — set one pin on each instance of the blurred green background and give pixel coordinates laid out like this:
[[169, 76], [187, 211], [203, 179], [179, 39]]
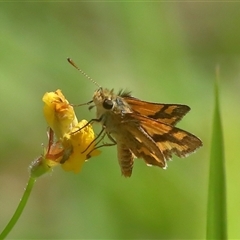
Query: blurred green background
[[163, 52]]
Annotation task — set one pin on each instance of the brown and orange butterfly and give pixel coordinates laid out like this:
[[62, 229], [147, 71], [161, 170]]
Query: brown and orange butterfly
[[141, 129]]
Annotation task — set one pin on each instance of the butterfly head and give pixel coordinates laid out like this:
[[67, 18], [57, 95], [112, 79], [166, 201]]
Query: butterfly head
[[106, 100]]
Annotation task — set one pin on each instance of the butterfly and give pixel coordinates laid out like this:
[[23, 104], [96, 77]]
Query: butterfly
[[141, 129]]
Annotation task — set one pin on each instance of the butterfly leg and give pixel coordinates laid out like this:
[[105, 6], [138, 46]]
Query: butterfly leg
[[94, 140], [107, 144], [104, 144], [90, 122]]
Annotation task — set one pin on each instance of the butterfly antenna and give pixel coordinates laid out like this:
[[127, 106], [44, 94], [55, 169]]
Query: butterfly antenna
[[82, 72]]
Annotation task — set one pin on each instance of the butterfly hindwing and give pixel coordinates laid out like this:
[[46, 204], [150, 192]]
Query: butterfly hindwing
[[170, 139]]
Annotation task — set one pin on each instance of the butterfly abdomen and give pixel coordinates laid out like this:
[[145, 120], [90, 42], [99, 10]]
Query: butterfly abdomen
[[125, 159]]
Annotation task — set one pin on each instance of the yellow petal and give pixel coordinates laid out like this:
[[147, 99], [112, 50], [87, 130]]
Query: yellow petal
[[79, 140], [58, 113]]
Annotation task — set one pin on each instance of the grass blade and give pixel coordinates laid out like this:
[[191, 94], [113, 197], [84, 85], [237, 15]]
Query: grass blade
[[216, 210]]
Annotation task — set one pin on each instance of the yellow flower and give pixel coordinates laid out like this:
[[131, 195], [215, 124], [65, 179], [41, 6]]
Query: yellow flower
[[58, 113], [69, 143], [79, 142]]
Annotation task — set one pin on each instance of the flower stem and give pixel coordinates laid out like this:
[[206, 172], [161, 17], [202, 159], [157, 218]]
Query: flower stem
[[19, 209]]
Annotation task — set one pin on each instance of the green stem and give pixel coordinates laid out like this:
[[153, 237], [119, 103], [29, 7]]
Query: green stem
[[19, 209]]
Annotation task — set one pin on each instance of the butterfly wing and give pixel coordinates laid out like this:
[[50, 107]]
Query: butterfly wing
[[133, 141], [166, 113], [157, 141], [170, 139]]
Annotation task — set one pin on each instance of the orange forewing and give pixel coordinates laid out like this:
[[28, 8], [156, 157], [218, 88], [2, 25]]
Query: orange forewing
[[167, 113]]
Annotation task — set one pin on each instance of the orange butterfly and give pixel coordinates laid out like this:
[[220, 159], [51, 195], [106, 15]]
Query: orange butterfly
[[141, 129]]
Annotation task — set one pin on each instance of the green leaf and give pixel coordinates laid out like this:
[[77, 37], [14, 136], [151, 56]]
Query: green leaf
[[216, 211]]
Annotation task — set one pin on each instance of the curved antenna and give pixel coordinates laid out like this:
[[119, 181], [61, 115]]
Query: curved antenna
[[82, 72]]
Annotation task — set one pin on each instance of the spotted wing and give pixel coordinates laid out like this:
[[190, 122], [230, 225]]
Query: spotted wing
[[166, 113], [156, 141]]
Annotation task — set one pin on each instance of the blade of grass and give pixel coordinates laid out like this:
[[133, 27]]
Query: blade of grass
[[216, 209]]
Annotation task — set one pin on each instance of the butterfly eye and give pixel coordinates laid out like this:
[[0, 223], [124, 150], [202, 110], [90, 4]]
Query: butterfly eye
[[108, 104]]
